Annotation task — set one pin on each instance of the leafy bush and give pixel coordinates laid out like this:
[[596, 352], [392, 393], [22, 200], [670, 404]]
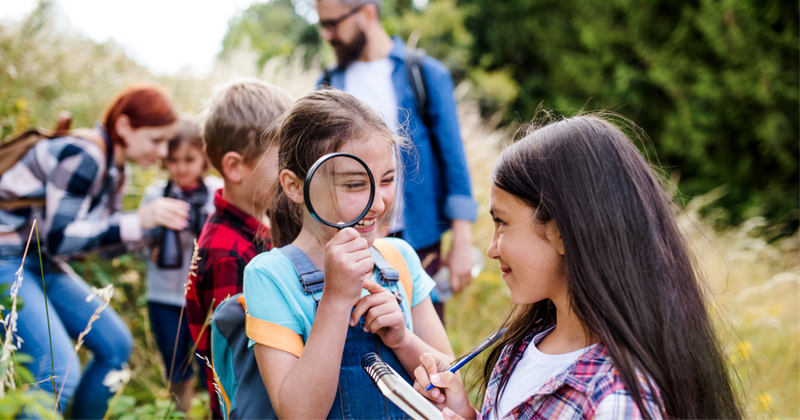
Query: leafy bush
[[714, 83]]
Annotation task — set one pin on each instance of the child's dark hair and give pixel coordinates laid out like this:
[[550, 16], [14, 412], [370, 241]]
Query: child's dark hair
[[631, 278], [318, 123], [187, 131]]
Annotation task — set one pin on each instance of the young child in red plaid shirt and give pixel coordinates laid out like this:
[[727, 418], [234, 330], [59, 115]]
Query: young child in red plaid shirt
[[240, 127], [612, 321]]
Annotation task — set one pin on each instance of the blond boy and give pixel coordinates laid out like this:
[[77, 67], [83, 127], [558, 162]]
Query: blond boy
[[240, 130]]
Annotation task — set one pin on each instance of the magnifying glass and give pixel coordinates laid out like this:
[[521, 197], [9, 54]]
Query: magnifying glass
[[339, 190]]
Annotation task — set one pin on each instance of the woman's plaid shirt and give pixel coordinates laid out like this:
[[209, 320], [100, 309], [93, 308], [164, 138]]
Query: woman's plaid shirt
[[83, 199]]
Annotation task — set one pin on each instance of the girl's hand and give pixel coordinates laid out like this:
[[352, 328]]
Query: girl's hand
[[164, 211], [347, 263], [449, 392], [383, 314]]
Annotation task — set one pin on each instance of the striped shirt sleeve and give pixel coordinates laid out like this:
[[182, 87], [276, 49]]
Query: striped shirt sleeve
[[69, 229]]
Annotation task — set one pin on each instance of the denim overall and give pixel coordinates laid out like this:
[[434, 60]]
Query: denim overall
[[356, 396]]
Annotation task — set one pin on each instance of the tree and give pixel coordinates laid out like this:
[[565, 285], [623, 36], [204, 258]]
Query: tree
[[273, 28], [713, 83]]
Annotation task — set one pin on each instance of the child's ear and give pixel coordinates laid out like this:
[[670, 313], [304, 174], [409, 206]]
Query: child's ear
[[554, 235], [232, 167], [292, 185]]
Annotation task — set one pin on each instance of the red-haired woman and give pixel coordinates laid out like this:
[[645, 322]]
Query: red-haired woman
[[80, 181]]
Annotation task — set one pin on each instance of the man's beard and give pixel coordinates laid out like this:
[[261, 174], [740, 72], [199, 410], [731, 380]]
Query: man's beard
[[347, 53]]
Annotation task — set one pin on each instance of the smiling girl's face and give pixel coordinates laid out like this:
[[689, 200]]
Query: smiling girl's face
[[350, 179], [531, 255]]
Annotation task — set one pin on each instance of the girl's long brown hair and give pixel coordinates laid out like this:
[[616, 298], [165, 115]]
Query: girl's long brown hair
[[631, 278]]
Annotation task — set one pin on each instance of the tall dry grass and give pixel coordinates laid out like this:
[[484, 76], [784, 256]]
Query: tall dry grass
[[753, 285]]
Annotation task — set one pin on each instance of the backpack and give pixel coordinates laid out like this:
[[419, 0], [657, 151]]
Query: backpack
[[416, 77], [13, 150], [242, 391]]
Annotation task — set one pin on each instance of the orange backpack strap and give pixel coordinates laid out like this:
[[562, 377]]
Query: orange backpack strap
[[393, 256]]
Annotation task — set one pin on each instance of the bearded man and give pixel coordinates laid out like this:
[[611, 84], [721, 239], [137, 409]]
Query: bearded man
[[435, 190]]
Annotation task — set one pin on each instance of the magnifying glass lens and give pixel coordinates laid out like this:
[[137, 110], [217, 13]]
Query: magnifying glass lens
[[340, 190]]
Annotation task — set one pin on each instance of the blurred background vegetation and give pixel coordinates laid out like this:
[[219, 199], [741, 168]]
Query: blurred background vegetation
[[714, 84]]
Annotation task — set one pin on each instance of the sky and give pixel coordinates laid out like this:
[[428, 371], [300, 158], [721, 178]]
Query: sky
[[164, 35]]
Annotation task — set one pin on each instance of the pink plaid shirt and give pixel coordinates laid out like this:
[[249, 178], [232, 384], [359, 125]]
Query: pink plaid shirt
[[591, 388]]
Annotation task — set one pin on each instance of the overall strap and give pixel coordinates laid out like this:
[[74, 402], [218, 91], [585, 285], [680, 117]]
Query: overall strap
[[385, 271], [310, 277], [313, 280]]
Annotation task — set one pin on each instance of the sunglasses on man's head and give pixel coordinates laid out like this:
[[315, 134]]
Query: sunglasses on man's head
[[331, 24]]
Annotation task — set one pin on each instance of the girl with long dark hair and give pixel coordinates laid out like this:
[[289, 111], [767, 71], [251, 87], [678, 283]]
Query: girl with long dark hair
[[610, 319]]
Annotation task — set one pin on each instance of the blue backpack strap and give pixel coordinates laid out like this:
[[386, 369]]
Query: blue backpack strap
[[310, 277], [385, 271]]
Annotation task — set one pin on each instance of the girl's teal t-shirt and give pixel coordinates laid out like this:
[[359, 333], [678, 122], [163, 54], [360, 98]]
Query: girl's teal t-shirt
[[273, 293]]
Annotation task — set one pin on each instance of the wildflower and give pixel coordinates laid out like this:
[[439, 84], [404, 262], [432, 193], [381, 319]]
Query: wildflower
[[116, 378], [8, 348], [105, 293], [192, 270], [216, 378]]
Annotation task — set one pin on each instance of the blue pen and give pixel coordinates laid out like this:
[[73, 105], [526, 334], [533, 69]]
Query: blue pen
[[458, 363]]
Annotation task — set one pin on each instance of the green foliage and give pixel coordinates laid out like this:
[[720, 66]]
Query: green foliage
[[5, 298], [275, 28], [26, 399], [26, 403], [126, 408], [714, 83], [440, 29], [272, 29], [44, 70]]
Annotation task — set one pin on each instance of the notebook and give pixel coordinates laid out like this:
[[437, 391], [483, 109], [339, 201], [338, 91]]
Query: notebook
[[398, 391]]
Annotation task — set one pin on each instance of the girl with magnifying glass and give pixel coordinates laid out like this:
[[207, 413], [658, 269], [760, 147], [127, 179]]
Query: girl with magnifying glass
[[309, 356]]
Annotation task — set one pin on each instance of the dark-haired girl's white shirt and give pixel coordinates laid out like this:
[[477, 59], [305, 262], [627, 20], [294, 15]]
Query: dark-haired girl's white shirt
[[533, 371]]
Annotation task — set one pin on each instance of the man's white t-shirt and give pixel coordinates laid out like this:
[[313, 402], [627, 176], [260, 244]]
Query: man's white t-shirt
[[532, 372], [371, 82]]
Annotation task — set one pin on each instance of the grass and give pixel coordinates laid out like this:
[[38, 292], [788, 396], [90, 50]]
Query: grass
[[753, 283]]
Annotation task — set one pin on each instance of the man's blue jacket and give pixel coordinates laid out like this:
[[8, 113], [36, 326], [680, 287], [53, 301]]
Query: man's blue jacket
[[436, 176]]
